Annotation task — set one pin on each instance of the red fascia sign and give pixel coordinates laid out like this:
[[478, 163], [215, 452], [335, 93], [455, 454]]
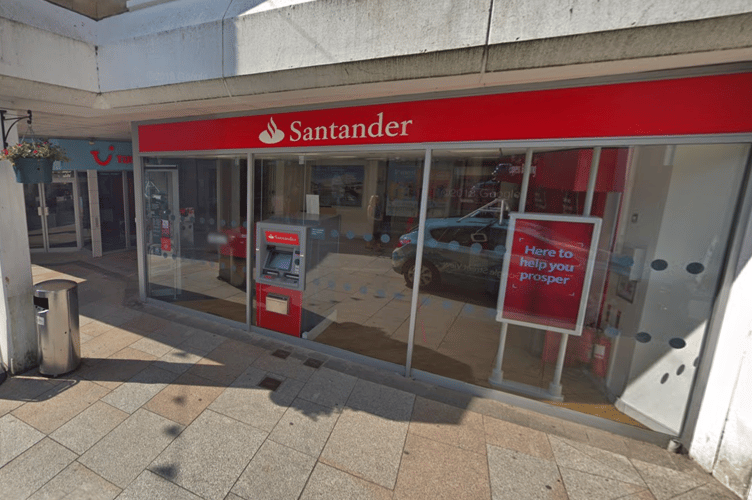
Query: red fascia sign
[[547, 271], [281, 238], [716, 104]]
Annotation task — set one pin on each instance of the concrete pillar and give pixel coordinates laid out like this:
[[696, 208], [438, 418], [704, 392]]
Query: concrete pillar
[[18, 336]]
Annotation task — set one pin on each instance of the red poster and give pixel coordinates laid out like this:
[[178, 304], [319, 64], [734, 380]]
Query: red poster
[[548, 270], [166, 244], [282, 238]]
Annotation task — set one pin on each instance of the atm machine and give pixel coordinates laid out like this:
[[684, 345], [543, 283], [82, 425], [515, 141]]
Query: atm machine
[[286, 247]]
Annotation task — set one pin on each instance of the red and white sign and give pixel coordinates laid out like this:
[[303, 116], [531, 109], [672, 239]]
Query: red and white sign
[[547, 271], [281, 238], [717, 104]]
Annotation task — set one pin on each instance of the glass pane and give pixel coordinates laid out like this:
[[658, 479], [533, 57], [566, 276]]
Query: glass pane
[[61, 218], [456, 333], [33, 219], [111, 210], [196, 234], [666, 214], [131, 219], [352, 209], [83, 203]]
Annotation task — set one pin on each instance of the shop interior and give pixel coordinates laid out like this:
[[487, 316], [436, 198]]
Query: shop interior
[[358, 214]]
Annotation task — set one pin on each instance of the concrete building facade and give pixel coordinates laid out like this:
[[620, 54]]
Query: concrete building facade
[[671, 186]]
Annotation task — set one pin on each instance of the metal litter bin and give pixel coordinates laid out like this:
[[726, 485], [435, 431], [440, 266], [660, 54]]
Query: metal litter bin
[[56, 305]]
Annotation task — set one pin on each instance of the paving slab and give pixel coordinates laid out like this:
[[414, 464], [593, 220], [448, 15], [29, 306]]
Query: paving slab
[[381, 400], [15, 438], [449, 425], [433, 470], [225, 363], [185, 398], [518, 476], [366, 446], [108, 343], [177, 360], [209, 456], [713, 491], [82, 431], [32, 469], [244, 400], [305, 427], [137, 391], [118, 368], [157, 347], [150, 486], [583, 486], [328, 483], [47, 415], [667, 483], [328, 388], [77, 482], [289, 368], [120, 456], [275, 473], [516, 437], [584, 458], [17, 390]]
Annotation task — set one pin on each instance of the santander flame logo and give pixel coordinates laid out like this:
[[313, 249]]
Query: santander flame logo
[[272, 135]]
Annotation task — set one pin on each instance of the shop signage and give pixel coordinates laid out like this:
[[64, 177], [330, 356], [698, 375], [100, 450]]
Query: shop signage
[[547, 271], [282, 238], [688, 106]]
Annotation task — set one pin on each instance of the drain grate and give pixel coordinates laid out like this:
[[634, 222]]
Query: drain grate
[[270, 383], [313, 363], [281, 353]]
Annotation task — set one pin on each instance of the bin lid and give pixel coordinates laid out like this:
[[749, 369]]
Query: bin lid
[[51, 286]]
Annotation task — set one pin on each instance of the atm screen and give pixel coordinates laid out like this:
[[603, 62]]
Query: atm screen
[[278, 260]]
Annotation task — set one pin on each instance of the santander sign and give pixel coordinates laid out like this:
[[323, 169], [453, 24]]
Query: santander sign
[[303, 132]]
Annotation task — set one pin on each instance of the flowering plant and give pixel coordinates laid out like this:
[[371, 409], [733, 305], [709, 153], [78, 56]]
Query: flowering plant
[[38, 149]]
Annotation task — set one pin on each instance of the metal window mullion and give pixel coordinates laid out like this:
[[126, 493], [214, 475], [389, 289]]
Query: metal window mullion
[[138, 195], [418, 260], [249, 241]]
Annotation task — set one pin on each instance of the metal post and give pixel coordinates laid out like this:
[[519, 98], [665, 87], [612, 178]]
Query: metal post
[[497, 376], [555, 387], [418, 260]]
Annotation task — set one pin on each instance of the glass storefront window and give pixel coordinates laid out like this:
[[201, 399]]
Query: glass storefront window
[[665, 220], [196, 232], [354, 207], [665, 217]]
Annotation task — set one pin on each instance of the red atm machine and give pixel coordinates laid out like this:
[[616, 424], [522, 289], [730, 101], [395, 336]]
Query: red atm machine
[[280, 272]]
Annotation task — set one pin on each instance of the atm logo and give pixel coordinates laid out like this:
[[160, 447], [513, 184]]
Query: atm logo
[[282, 238]]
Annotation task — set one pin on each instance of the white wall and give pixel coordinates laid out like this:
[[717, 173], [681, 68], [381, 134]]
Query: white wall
[[18, 335], [722, 440], [694, 227]]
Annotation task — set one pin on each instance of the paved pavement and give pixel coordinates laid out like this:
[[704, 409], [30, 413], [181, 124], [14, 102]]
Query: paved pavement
[[167, 406]]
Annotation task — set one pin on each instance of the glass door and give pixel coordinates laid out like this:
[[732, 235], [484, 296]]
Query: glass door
[[51, 215], [162, 231], [60, 203], [112, 211]]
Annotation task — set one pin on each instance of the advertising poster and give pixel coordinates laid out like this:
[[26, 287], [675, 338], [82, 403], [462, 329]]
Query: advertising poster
[[547, 271]]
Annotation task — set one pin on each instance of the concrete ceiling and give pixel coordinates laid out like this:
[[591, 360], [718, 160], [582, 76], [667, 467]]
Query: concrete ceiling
[[94, 9]]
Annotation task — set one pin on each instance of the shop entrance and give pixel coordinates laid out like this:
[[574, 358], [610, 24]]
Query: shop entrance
[[163, 231], [52, 214]]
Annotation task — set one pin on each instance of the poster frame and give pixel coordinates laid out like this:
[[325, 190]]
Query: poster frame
[[512, 224]]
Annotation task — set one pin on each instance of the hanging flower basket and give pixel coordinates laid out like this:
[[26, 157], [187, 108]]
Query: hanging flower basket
[[32, 161], [33, 170]]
